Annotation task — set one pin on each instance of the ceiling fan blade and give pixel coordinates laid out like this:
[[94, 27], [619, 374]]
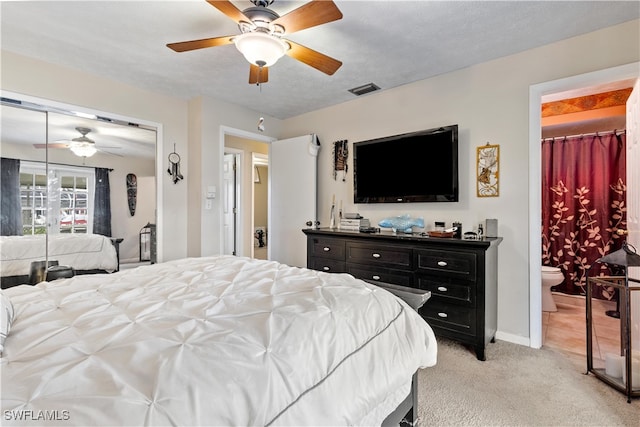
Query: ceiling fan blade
[[315, 59], [314, 13], [229, 9], [200, 44], [52, 145], [258, 75]]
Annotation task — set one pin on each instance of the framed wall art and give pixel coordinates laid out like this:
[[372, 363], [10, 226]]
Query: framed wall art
[[488, 171]]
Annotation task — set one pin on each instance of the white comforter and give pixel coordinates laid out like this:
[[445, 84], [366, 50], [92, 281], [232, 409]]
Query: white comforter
[[80, 251], [210, 341]]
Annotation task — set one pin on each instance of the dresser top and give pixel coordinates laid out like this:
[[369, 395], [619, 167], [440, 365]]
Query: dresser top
[[390, 236]]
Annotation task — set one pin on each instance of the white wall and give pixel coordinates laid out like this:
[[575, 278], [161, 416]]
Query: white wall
[[69, 86], [126, 226], [490, 103]]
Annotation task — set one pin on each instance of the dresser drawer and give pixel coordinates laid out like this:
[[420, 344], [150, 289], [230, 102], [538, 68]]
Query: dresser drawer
[[450, 316], [328, 248], [446, 290], [328, 265], [387, 255], [379, 274], [461, 265]]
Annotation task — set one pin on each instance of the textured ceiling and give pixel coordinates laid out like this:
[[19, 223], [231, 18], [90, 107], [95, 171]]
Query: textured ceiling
[[389, 43]]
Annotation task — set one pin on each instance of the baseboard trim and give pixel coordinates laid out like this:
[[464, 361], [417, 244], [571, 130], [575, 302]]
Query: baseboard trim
[[516, 339]]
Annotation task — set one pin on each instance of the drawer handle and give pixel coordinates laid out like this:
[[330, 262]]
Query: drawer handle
[[325, 268], [376, 277], [376, 255], [442, 289], [442, 314], [442, 263], [326, 249]]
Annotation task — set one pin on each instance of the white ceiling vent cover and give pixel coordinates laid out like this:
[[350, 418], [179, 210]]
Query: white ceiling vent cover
[[361, 90]]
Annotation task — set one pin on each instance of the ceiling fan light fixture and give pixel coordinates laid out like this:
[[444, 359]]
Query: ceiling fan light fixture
[[82, 148], [260, 48]]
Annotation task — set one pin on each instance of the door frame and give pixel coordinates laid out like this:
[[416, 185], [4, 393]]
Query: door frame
[[536, 92], [224, 132]]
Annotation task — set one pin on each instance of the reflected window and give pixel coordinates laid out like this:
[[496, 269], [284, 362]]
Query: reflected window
[[74, 207], [69, 206], [33, 201]]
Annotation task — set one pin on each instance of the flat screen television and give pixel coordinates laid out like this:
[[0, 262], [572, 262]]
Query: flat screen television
[[412, 167]]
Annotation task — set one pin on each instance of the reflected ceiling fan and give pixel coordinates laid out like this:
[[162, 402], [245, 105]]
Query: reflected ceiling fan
[[81, 146], [262, 42]]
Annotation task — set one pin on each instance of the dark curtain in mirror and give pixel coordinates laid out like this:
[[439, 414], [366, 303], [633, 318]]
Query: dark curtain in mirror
[[102, 204], [10, 210]]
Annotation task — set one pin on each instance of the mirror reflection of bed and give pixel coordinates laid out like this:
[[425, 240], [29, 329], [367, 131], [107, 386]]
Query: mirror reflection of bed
[[60, 189]]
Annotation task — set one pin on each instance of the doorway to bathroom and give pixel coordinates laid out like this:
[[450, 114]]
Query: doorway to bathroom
[[582, 115], [583, 207]]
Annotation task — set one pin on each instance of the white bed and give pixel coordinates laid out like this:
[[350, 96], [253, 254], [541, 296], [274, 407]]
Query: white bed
[[80, 251], [210, 341]]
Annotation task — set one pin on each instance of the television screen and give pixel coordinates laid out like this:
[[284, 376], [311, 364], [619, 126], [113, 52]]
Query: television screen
[[413, 167]]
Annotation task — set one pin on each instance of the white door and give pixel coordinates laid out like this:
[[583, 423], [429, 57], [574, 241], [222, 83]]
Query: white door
[[293, 165], [633, 200], [229, 205]]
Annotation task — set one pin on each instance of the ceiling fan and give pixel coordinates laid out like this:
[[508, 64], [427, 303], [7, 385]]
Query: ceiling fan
[[262, 42], [82, 146]]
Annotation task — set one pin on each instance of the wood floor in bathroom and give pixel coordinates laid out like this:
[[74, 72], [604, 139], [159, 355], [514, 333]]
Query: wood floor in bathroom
[[565, 329]]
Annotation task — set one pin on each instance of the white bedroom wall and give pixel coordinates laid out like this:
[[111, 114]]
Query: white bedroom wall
[[127, 225], [490, 103], [70, 86]]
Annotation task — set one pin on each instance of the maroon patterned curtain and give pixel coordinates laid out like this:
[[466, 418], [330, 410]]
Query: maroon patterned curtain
[[583, 205]]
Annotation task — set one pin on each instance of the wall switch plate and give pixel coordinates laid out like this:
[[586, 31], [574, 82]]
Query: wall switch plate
[[211, 192]]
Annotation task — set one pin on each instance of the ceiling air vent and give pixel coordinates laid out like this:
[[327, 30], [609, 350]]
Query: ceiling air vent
[[361, 90]]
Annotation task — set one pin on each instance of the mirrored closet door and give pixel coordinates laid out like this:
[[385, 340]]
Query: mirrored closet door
[[70, 173]]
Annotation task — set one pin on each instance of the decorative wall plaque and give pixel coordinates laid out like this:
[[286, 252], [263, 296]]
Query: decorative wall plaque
[[488, 170]]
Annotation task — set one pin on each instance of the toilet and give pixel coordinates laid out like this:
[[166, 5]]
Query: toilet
[[551, 276]]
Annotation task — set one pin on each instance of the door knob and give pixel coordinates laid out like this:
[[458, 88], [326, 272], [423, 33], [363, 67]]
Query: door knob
[[621, 232]]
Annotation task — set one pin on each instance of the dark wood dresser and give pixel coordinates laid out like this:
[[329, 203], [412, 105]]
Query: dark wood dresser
[[461, 275]]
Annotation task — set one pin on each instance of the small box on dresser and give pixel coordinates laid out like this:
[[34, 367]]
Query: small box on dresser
[[354, 224]]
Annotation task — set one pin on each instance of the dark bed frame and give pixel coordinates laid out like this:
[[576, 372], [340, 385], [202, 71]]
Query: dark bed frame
[[406, 414], [10, 281]]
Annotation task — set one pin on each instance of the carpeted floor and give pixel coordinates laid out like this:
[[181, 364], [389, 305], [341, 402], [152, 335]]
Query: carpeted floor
[[517, 386]]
